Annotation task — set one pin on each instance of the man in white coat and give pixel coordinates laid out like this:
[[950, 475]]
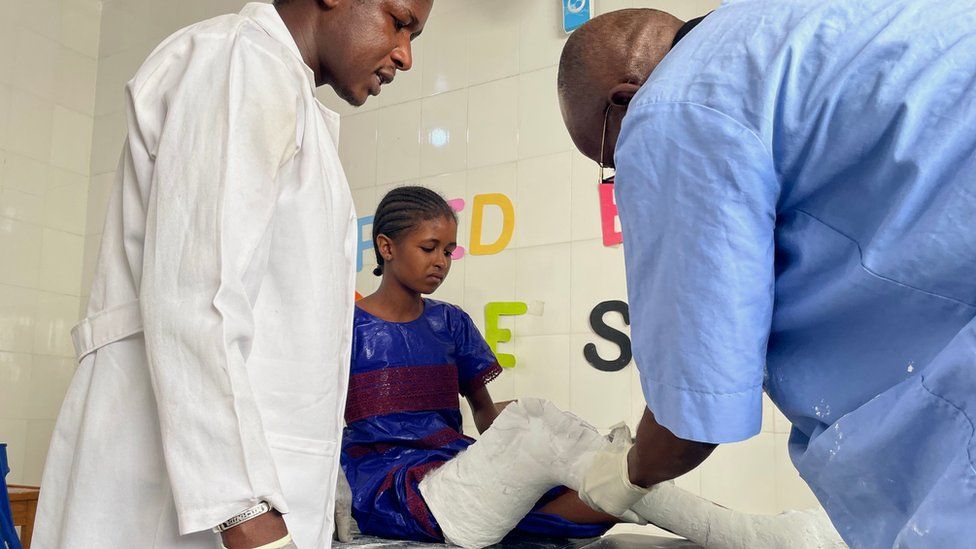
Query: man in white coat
[[214, 357]]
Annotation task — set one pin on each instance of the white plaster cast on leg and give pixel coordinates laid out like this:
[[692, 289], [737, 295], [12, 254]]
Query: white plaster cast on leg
[[715, 527], [480, 496]]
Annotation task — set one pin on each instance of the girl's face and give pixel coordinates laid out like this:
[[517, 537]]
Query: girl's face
[[421, 258]]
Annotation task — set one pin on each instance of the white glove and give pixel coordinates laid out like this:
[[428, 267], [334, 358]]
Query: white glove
[[343, 509], [606, 485]]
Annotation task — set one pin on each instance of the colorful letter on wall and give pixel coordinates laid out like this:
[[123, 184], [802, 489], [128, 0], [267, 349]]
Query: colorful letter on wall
[[610, 334], [365, 243], [495, 335], [608, 216], [477, 222]]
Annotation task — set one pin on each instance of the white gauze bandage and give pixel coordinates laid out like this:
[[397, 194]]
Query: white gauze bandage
[[480, 496], [715, 527]]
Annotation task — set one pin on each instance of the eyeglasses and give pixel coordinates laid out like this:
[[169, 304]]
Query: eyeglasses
[[603, 143]]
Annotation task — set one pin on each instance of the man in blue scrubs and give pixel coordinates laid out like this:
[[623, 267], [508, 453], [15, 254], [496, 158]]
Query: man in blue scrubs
[[797, 189]]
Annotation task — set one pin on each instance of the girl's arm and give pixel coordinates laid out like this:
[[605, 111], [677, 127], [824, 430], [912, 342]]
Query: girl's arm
[[483, 409]]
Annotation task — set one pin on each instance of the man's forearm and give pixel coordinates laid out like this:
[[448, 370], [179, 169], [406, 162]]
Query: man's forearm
[[658, 455]]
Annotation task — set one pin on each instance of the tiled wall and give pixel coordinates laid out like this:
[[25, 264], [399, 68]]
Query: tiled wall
[[48, 51], [476, 115]]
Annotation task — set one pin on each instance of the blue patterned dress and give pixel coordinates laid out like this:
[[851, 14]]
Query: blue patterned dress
[[403, 420]]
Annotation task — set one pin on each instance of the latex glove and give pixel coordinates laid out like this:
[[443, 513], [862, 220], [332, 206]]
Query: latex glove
[[606, 485], [343, 509]]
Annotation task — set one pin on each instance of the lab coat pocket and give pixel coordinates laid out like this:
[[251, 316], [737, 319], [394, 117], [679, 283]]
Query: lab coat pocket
[[306, 470]]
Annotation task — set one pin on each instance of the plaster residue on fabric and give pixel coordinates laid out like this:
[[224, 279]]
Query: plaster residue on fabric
[[822, 410], [911, 366]]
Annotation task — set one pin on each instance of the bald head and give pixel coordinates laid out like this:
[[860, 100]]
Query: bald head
[[603, 64]]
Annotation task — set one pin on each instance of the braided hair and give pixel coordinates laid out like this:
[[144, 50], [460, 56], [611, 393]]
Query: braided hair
[[401, 210]]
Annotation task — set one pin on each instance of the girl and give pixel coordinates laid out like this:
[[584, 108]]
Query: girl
[[411, 357]]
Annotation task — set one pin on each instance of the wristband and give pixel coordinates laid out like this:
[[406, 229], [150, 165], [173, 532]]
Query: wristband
[[243, 516]]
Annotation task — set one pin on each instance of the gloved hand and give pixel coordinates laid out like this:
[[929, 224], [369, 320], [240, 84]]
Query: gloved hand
[[343, 509], [606, 485]]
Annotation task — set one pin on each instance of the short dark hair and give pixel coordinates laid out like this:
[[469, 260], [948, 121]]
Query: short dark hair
[[401, 210]]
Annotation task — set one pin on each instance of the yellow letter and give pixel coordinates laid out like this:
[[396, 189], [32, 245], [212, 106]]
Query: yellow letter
[[477, 220]]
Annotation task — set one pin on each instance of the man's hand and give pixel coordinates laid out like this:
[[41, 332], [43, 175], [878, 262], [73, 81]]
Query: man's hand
[[658, 455], [606, 485], [259, 531], [343, 509]]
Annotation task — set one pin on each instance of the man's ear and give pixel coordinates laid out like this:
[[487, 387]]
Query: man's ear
[[621, 94]]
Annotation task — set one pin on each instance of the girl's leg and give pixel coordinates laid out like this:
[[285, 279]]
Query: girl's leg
[[481, 495], [570, 507]]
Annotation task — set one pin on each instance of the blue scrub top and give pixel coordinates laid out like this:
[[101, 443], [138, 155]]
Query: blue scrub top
[[797, 189]]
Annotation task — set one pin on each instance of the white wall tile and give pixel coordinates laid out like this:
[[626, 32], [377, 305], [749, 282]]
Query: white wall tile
[[444, 140], [445, 53], [606, 6], [15, 369], [56, 314], [541, 37], [20, 248], [357, 148], [542, 367], [35, 63], [398, 145], [586, 221], [22, 206], [29, 125], [61, 260], [493, 42], [79, 26], [76, 81], [65, 206], [13, 432], [489, 279], [541, 128], [598, 275], [543, 274], [17, 307], [682, 9], [71, 140], [543, 200], [40, 16], [601, 398], [49, 379], [4, 114], [742, 476], [25, 174], [493, 123], [791, 490]]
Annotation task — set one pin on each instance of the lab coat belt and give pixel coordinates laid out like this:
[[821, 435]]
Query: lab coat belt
[[105, 327]]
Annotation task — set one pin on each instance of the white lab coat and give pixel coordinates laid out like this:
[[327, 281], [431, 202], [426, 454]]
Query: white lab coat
[[215, 352]]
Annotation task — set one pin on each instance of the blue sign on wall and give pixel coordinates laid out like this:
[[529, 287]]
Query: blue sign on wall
[[575, 13]]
